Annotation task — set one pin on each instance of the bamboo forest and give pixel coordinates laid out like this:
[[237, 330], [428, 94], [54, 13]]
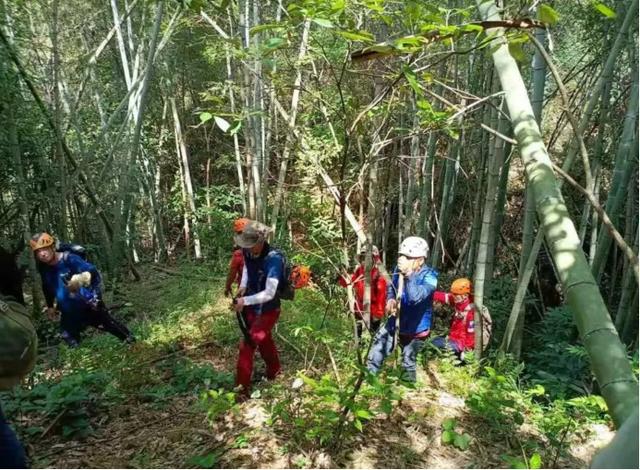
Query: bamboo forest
[[319, 234]]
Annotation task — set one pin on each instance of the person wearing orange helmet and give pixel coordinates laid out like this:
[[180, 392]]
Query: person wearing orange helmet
[[378, 290], [73, 284], [462, 331], [237, 261]]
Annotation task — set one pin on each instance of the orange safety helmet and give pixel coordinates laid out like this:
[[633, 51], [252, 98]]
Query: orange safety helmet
[[41, 240], [461, 286], [240, 224], [300, 276]]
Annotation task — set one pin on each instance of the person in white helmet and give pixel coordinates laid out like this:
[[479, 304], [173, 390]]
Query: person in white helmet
[[416, 305]]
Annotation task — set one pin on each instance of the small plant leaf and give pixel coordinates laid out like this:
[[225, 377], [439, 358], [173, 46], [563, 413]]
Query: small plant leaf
[[364, 414], [461, 441], [448, 437], [547, 15], [322, 22], [535, 461], [449, 424], [605, 10]]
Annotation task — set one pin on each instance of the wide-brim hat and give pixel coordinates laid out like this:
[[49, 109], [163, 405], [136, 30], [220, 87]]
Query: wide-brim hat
[[253, 233]]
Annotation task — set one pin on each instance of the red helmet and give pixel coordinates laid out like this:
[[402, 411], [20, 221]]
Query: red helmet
[[240, 224]]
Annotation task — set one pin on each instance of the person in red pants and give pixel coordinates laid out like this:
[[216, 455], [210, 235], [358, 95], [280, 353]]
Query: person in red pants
[[237, 261], [258, 303]]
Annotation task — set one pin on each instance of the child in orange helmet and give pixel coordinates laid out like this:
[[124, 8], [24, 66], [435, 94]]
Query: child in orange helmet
[[462, 331], [237, 261]]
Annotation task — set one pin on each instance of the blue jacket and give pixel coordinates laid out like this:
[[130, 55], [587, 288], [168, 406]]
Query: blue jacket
[[55, 278], [270, 263], [416, 305]]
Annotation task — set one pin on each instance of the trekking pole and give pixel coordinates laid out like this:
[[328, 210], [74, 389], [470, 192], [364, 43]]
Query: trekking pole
[[396, 338]]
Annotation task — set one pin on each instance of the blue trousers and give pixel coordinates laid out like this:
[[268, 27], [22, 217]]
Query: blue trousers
[[11, 451], [445, 344], [383, 346]]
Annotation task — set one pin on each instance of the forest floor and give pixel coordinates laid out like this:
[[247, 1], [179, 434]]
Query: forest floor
[[150, 405]]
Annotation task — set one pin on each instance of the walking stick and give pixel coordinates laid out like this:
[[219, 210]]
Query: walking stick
[[396, 338]]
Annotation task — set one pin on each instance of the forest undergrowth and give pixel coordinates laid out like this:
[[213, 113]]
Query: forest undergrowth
[[168, 401]]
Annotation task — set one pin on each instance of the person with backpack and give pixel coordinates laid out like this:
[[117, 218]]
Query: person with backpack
[[73, 284], [18, 350], [409, 296], [378, 291], [237, 261], [264, 282], [462, 331]]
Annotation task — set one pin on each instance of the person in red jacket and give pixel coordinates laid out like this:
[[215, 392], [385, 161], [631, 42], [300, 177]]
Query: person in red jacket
[[237, 261], [461, 333], [378, 291]]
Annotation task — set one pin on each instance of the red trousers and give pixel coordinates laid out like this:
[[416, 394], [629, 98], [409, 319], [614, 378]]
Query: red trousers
[[260, 327]]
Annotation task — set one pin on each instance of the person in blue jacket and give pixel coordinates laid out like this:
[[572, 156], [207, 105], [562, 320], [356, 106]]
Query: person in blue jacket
[[74, 284], [415, 309]]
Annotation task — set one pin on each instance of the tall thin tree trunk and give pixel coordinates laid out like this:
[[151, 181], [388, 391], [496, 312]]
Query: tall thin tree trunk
[[236, 143], [190, 207], [625, 154], [293, 115], [608, 356], [134, 149], [57, 113], [427, 183], [22, 201], [512, 339], [485, 250]]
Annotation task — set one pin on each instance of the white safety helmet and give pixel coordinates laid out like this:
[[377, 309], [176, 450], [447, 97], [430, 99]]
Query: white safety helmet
[[414, 247]]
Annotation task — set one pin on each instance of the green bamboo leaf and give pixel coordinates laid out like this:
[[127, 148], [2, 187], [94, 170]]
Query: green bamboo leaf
[[515, 49], [265, 27], [412, 79], [274, 43], [357, 36], [471, 28], [337, 5], [380, 48], [535, 461], [605, 10], [358, 424], [547, 15], [409, 41], [204, 117], [364, 414], [322, 22]]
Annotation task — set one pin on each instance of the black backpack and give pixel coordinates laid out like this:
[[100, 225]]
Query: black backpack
[[286, 290], [72, 248]]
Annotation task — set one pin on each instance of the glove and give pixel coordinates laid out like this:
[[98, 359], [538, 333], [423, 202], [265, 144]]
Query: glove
[[79, 280]]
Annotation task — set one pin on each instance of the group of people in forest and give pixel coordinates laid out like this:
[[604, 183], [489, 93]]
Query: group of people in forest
[[72, 286], [407, 297]]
